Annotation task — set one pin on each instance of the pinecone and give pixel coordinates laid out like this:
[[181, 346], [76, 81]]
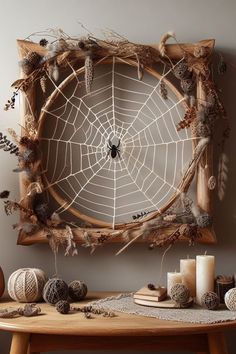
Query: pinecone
[[188, 85], [34, 58], [181, 70]]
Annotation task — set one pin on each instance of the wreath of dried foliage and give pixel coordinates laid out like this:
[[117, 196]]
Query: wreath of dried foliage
[[183, 219]]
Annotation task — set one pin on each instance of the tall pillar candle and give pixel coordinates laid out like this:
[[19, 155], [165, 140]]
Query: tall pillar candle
[[188, 272], [205, 275], [172, 279]]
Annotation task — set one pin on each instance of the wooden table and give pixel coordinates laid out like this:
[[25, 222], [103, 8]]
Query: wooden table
[[52, 331]]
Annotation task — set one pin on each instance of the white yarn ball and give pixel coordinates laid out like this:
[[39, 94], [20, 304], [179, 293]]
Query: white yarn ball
[[230, 299], [26, 284]]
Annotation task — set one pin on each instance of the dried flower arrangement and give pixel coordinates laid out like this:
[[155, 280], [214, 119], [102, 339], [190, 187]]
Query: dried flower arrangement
[[181, 218]]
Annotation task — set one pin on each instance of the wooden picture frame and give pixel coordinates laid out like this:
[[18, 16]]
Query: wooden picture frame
[[203, 172]]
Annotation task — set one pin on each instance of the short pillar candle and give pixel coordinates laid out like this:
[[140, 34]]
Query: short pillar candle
[[188, 272], [172, 279], [205, 275]]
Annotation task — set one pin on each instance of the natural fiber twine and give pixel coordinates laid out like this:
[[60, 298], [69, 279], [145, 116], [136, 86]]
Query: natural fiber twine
[[124, 303], [26, 284]]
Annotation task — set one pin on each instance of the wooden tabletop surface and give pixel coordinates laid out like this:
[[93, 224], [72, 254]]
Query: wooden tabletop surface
[[51, 322]]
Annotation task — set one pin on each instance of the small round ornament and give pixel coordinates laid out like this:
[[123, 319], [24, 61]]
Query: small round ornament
[[26, 284], [55, 290], [63, 307], [230, 299], [77, 290], [210, 300], [180, 293]]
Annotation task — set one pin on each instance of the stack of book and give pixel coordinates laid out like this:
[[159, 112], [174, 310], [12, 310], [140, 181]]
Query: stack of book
[[148, 297]]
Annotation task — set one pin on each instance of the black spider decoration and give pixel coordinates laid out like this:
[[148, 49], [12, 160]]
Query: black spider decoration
[[113, 149]]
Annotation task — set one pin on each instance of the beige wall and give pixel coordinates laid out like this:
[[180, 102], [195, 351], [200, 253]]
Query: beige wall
[[142, 21]]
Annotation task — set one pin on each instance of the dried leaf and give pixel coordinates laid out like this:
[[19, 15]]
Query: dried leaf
[[17, 84]]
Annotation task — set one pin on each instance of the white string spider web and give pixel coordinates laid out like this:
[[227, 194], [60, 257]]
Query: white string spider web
[[75, 130]]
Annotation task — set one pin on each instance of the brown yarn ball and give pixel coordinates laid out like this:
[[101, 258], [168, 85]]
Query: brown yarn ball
[[55, 290], [180, 293], [63, 307], [210, 300], [77, 290]]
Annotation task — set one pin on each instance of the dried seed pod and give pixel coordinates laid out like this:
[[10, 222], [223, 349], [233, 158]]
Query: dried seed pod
[[211, 183], [204, 220], [55, 72], [43, 83], [181, 70], [163, 90], [88, 72], [210, 300], [88, 315], [34, 58], [151, 286], [43, 42], [203, 130], [4, 194], [188, 85]]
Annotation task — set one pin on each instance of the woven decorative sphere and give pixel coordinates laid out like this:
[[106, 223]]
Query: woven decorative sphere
[[26, 284], [63, 307], [230, 299], [180, 293], [55, 290], [210, 300], [77, 290]]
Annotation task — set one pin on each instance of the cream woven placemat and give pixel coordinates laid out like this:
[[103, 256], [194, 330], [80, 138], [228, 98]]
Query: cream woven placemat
[[124, 303]]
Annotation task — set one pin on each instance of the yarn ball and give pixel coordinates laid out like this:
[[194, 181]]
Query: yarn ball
[[63, 307], [55, 290], [230, 299], [26, 284], [210, 300], [77, 290], [180, 293]]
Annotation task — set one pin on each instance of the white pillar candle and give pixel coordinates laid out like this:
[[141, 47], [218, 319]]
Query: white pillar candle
[[172, 279], [205, 275], [188, 272]]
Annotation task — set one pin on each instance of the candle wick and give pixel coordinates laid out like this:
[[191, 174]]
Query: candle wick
[[188, 256], [205, 253]]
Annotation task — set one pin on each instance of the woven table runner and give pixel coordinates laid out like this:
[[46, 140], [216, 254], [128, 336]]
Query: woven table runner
[[196, 314]]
